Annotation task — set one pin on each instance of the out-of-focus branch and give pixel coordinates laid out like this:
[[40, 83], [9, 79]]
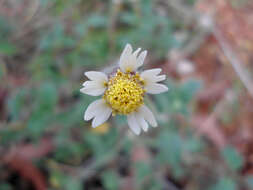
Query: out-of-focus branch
[[207, 125], [234, 61], [202, 29], [187, 14], [206, 22]]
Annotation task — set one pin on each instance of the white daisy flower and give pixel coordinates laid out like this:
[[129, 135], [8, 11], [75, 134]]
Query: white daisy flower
[[123, 92]]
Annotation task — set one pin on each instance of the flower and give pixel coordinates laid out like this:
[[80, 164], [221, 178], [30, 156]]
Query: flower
[[123, 92]]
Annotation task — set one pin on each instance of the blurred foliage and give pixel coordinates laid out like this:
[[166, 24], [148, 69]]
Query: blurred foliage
[[225, 183], [249, 181], [44, 99], [177, 100], [233, 159]]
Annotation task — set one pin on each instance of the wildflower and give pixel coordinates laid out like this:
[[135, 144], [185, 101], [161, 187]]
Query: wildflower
[[123, 92]]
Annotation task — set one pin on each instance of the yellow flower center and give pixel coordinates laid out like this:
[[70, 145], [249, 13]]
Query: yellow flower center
[[125, 92]]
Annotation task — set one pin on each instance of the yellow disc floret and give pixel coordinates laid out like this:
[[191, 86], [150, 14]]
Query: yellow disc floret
[[125, 92]]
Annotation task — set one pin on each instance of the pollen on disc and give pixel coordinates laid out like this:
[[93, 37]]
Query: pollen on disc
[[125, 93]]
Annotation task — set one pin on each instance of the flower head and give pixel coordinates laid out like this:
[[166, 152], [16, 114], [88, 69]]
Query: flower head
[[123, 92]]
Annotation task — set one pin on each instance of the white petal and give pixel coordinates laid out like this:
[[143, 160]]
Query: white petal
[[152, 78], [127, 51], [97, 76], [102, 116], [129, 61], [129, 64], [93, 109], [135, 53], [150, 73], [155, 88], [93, 91], [147, 115], [90, 84], [141, 58], [133, 124], [141, 121], [93, 88], [125, 56], [160, 78]]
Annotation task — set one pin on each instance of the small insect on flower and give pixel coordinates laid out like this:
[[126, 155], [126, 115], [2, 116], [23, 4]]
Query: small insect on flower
[[123, 92]]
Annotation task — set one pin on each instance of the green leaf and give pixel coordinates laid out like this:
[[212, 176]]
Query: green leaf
[[73, 184], [6, 48], [225, 184], [17, 103], [177, 99], [143, 170], [170, 150], [156, 184], [162, 102], [128, 18], [46, 98], [7, 29], [69, 151], [56, 39], [191, 2], [189, 89], [97, 20], [65, 182], [5, 186], [101, 145], [233, 159], [120, 120], [193, 145], [110, 180], [10, 136]]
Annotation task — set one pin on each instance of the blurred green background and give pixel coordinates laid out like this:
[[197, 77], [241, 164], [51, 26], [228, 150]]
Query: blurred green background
[[47, 45]]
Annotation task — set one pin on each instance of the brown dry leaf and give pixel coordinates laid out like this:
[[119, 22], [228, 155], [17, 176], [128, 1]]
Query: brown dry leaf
[[20, 159], [31, 151], [235, 23], [214, 91], [28, 171], [211, 63], [236, 26], [3, 96], [208, 126]]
